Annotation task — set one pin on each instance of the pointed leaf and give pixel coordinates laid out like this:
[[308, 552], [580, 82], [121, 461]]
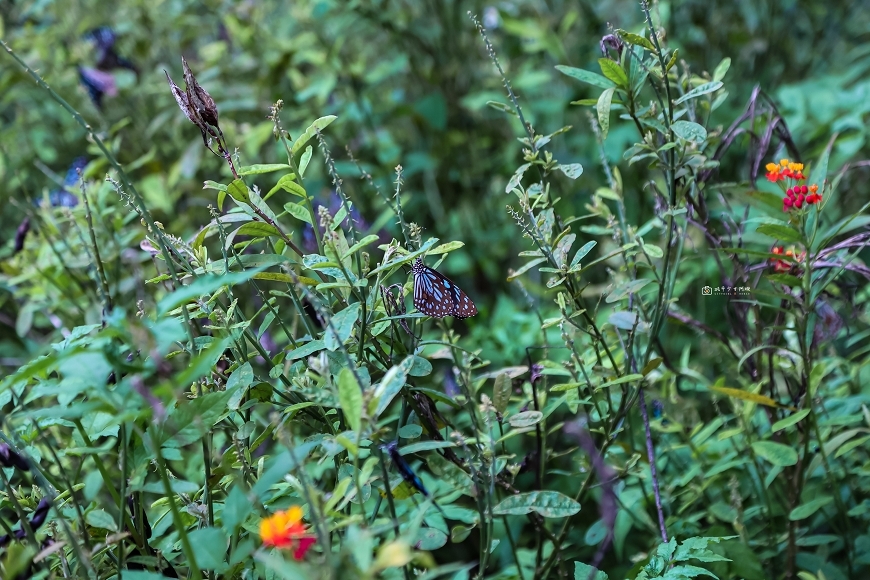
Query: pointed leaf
[[700, 90], [603, 109], [613, 71], [501, 392], [775, 453], [318, 125], [594, 79], [350, 398], [550, 504]]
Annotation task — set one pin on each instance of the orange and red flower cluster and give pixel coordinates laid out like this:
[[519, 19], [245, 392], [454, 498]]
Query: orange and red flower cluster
[[790, 255], [785, 170], [284, 529], [797, 195]]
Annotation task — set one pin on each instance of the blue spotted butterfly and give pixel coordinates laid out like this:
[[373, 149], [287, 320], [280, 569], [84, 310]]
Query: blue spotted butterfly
[[435, 295]]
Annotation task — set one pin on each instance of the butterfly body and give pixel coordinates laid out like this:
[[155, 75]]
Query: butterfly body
[[436, 296], [402, 466]]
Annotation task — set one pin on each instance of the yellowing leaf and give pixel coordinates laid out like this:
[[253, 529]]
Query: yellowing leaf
[[747, 396]]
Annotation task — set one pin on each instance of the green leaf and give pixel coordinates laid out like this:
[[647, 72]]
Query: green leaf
[[673, 60], [847, 447], [526, 419], [262, 168], [298, 212], [305, 160], [390, 385], [425, 446], [722, 69], [238, 384], [621, 380], [448, 247], [239, 191], [429, 539], [501, 392], [359, 245], [101, 519], [305, 350], [211, 547], [588, 77], [516, 177], [203, 285], [549, 504], [700, 90], [458, 534], [686, 571], [350, 398], [807, 509], [790, 420], [318, 125], [614, 72], [581, 253], [237, 507], [412, 431], [572, 170], [142, 575], [623, 290], [191, 420], [775, 453], [208, 184], [603, 109], [783, 233], [689, 131], [585, 572], [651, 366], [787, 279], [258, 230], [528, 266], [288, 184], [420, 367], [636, 40], [341, 327]]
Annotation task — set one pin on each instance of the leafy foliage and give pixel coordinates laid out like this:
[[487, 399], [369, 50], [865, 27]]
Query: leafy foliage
[[214, 372]]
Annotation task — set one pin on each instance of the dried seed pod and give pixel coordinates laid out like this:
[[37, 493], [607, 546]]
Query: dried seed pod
[[183, 102], [199, 98]]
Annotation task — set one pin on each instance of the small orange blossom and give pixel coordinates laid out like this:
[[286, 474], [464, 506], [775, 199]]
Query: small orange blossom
[[284, 529]]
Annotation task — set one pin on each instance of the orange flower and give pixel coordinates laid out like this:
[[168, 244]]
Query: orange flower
[[790, 256], [284, 529]]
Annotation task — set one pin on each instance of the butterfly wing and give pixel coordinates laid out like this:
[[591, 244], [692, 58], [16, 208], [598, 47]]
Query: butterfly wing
[[463, 306], [433, 293]]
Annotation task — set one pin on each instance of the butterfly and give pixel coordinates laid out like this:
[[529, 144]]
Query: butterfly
[[63, 197], [97, 83], [402, 466], [435, 295], [407, 472]]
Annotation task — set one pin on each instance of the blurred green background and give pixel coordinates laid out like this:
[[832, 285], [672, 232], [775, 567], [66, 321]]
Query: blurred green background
[[409, 82]]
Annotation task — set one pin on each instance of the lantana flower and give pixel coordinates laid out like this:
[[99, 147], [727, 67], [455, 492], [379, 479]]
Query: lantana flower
[[285, 530], [796, 194]]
